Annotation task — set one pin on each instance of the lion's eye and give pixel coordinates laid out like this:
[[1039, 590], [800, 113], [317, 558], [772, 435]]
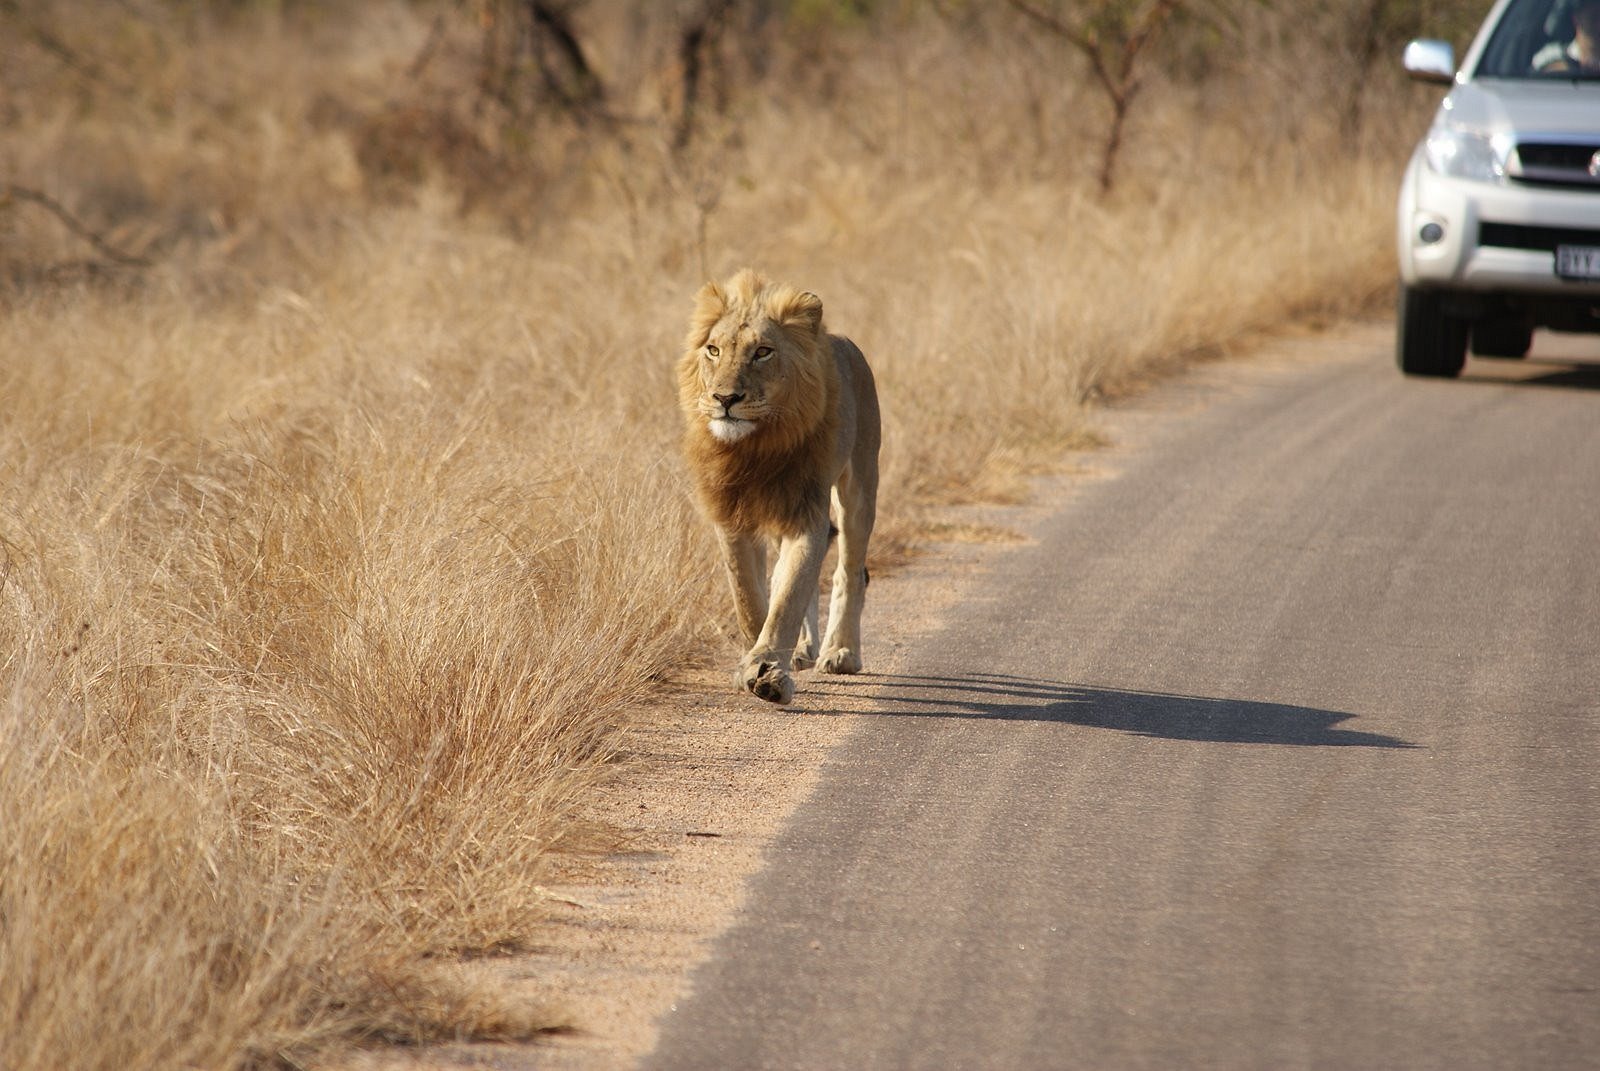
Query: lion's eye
[[763, 353], [713, 352]]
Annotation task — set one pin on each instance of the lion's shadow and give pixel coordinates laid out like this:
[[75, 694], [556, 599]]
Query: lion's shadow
[[1158, 715]]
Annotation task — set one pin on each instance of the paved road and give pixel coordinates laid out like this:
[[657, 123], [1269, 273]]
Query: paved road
[[1279, 749]]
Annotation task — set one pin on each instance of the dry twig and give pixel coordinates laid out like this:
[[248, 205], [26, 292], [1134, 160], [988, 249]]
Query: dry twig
[[10, 192]]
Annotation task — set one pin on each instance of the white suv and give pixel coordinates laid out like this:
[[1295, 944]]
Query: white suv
[[1499, 214]]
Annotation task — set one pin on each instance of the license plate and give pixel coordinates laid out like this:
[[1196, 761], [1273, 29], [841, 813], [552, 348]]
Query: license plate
[[1578, 261]]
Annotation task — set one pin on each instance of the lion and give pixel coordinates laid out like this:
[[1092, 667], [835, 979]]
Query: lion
[[782, 416]]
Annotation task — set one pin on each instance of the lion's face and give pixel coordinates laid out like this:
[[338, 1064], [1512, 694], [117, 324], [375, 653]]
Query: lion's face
[[754, 363], [745, 374]]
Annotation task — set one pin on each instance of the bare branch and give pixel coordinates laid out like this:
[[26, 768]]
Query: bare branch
[[13, 192], [699, 37], [1154, 17], [1124, 45], [1072, 35], [579, 87], [429, 47], [65, 54]]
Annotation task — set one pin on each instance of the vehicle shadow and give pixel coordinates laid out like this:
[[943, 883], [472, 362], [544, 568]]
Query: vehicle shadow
[[1518, 374], [1159, 715]]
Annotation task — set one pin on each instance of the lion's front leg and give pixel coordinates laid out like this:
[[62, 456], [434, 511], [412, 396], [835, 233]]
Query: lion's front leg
[[765, 669], [745, 557]]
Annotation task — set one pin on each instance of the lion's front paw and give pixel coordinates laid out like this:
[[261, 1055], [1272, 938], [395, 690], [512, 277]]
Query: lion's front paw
[[840, 660], [766, 680]]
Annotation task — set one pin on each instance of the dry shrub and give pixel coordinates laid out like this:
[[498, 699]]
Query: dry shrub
[[335, 546]]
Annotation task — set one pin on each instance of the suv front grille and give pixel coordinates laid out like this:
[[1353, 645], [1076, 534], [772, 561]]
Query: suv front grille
[[1559, 164], [1543, 239]]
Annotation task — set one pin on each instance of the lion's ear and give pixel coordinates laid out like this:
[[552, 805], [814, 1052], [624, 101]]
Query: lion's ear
[[801, 310], [711, 294], [709, 305]]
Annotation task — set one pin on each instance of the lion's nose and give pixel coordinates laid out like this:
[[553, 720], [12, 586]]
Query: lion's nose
[[728, 401]]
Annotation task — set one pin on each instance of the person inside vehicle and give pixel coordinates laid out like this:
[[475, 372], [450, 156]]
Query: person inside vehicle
[[1582, 53]]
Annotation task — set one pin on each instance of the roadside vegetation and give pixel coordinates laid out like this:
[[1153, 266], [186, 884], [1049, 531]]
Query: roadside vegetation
[[341, 521]]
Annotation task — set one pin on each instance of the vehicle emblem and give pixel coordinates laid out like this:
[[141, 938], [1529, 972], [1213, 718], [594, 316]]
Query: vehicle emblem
[[1594, 165]]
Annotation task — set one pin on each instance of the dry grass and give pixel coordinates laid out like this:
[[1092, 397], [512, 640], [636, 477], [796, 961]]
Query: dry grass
[[344, 628], [336, 544]]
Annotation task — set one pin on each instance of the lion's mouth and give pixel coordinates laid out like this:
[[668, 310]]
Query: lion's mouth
[[730, 429]]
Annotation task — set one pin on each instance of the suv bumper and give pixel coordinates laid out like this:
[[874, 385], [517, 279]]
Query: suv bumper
[[1458, 260]]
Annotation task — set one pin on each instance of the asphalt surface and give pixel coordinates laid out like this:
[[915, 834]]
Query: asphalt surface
[[1278, 748]]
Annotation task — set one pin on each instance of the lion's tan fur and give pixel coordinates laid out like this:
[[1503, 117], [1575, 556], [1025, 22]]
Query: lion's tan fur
[[780, 417]]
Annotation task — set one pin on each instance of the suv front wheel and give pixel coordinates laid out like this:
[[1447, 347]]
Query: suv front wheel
[[1429, 341]]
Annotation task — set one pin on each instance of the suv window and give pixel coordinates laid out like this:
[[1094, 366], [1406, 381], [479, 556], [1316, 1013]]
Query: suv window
[[1530, 33]]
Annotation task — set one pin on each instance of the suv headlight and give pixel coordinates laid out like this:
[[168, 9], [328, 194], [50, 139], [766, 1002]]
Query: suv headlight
[[1468, 154]]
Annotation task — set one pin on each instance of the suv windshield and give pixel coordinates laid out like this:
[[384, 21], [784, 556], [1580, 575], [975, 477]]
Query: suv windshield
[[1544, 39]]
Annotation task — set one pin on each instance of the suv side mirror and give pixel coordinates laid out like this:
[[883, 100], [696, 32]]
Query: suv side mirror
[[1431, 61]]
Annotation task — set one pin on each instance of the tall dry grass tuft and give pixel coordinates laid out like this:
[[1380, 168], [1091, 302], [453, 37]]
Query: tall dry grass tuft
[[336, 544]]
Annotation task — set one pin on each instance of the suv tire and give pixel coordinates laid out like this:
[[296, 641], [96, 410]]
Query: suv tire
[[1501, 336], [1429, 341]]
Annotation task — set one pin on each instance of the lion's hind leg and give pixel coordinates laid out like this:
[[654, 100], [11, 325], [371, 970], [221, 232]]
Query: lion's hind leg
[[810, 642], [805, 649], [855, 503]]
